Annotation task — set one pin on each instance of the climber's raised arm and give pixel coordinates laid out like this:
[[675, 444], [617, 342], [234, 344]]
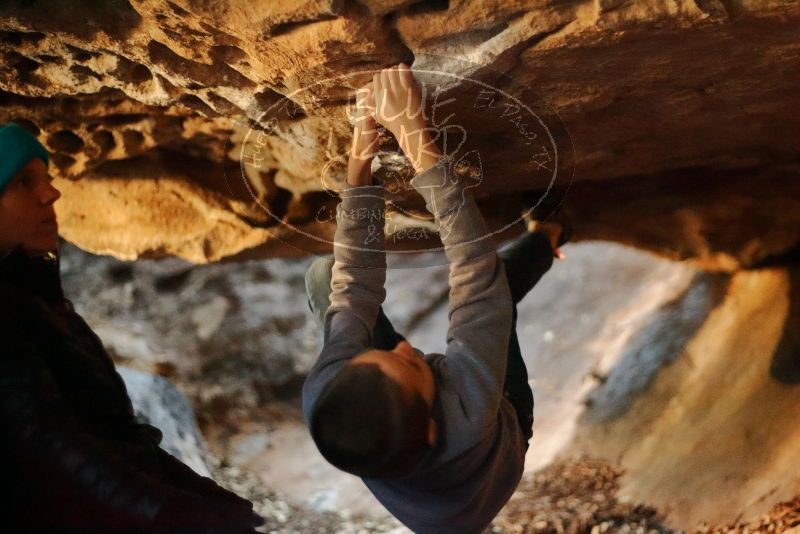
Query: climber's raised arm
[[480, 308], [359, 269]]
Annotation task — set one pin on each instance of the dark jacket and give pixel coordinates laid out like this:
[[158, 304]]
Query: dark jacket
[[75, 456]]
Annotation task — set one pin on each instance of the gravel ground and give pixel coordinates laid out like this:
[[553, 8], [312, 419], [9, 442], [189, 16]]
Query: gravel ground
[[284, 518], [784, 517], [567, 497], [574, 497], [579, 496]]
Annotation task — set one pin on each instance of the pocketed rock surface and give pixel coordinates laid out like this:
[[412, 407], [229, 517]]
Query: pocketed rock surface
[[208, 130]]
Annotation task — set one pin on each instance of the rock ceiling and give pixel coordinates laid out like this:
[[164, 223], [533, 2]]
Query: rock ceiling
[[216, 130]]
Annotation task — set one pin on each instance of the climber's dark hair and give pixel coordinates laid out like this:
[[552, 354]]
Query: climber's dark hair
[[365, 423]]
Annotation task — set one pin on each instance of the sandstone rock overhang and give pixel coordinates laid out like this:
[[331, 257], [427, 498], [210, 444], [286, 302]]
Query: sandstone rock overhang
[[677, 121]]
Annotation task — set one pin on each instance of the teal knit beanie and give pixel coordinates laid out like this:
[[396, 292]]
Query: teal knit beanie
[[17, 148]]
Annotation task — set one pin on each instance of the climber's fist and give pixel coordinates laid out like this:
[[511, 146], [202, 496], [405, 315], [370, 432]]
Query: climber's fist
[[398, 100], [399, 108]]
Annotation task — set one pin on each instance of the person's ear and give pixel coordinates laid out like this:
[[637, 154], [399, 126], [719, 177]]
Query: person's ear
[[432, 432]]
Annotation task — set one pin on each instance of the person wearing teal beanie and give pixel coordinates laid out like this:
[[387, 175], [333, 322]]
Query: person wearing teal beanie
[[27, 216], [18, 148], [76, 457]]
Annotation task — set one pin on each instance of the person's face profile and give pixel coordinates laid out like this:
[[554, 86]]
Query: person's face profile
[[27, 215]]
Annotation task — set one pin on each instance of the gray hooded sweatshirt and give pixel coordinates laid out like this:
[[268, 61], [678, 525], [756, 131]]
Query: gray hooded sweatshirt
[[477, 461]]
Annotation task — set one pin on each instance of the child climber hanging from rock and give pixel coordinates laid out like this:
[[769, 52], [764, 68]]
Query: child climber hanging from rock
[[439, 439]]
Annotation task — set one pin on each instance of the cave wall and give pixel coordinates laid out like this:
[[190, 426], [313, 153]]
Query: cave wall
[[709, 433], [675, 122]]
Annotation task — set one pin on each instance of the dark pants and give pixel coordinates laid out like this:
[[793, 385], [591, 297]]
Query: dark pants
[[526, 260]]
